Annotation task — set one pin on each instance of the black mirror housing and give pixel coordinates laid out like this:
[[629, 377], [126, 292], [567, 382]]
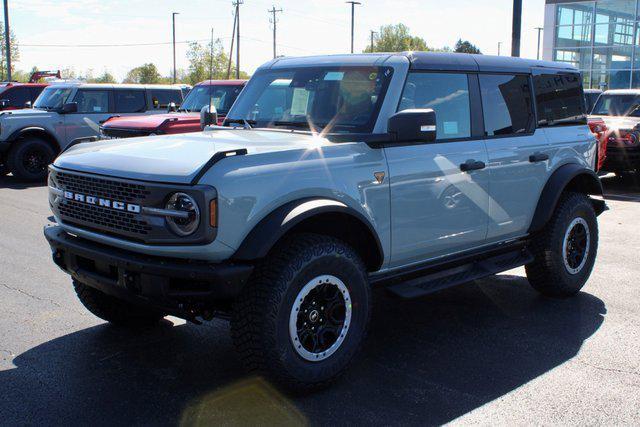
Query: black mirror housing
[[416, 125], [208, 118], [69, 107]]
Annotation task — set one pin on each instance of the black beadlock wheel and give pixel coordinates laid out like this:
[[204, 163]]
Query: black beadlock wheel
[[29, 159], [114, 310], [565, 252], [304, 314]]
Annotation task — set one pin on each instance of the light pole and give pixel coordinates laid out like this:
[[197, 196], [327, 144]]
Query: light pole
[[7, 38], [499, 44], [173, 19], [538, 51], [373, 33], [353, 12], [516, 28], [275, 22]]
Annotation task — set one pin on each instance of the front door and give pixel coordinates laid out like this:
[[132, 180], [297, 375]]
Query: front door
[[437, 208], [94, 107]]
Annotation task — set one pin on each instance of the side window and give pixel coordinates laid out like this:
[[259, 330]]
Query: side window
[[130, 101], [17, 96], [161, 98], [35, 92], [447, 94], [92, 101], [559, 99], [506, 104]]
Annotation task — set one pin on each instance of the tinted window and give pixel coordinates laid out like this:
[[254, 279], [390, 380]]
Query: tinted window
[[161, 98], [506, 104], [17, 96], [52, 97], [92, 101], [130, 101], [222, 97], [590, 100], [559, 99], [617, 105], [447, 95], [35, 92]]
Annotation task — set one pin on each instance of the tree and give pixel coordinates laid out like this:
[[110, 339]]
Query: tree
[[144, 74], [105, 77], [466, 47], [200, 66], [397, 38], [15, 52]]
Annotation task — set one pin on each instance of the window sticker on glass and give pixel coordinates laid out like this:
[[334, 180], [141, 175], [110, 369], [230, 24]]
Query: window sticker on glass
[[299, 102], [334, 76], [97, 109], [450, 128]]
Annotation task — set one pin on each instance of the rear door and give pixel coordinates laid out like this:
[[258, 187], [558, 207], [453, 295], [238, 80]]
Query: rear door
[[436, 208], [517, 151], [94, 107]]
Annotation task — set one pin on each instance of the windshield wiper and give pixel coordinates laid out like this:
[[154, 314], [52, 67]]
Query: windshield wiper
[[248, 124], [302, 125]]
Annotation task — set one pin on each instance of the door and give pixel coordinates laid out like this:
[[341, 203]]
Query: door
[[129, 102], [94, 107], [518, 153], [437, 208]]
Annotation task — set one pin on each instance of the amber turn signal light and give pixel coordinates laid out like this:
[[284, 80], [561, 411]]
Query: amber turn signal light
[[213, 213]]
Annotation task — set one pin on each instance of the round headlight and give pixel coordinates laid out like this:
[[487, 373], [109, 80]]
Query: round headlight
[[187, 223]]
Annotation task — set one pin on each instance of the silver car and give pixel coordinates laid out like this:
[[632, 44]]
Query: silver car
[[68, 113]]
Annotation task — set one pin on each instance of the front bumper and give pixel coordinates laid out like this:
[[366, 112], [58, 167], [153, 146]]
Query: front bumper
[[183, 288]]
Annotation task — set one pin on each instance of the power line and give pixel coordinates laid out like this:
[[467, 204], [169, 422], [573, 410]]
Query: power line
[[274, 21], [113, 45]]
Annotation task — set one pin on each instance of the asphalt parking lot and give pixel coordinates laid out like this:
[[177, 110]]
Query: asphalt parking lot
[[489, 352]]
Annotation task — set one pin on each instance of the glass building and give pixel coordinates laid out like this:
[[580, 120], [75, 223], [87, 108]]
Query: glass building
[[599, 37]]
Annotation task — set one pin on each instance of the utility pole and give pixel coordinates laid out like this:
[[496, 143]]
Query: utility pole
[[499, 44], [373, 34], [538, 51], [7, 38], [353, 12], [173, 18], [237, 4], [516, 28], [233, 38], [274, 21], [211, 57]]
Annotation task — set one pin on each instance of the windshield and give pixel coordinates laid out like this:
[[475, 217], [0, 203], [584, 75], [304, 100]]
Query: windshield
[[222, 97], [617, 105], [52, 98], [347, 99]]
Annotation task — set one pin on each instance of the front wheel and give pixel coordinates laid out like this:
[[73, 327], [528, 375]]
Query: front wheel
[[565, 251], [304, 315], [29, 158]]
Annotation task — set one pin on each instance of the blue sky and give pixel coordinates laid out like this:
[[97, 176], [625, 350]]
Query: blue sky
[[305, 27]]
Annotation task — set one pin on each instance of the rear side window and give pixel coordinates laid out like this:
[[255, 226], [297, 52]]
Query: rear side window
[[447, 94], [130, 101], [92, 101], [17, 96], [559, 99], [506, 104], [161, 98]]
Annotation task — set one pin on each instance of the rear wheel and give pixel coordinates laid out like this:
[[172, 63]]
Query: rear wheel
[[114, 310], [565, 251], [302, 318], [29, 158]]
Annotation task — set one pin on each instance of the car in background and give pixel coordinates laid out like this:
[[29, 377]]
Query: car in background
[[221, 93], [590, 98], [67, 113], [16, 96], [619, 110], [599, 129]]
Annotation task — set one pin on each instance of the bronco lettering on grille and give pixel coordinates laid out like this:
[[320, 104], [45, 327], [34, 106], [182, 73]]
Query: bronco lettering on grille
[[106, 203]]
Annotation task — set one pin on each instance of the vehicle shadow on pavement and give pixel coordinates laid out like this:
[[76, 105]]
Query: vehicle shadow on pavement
[[426, 361], [625, 188], [14, 183]]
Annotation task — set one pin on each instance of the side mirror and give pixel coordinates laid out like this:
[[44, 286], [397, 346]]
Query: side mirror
[[172, 107], [27, 104], [69, 107], [208, 118], [417, 125], [4, 103]]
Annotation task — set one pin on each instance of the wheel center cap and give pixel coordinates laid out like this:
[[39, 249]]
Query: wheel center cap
[[314, 316]]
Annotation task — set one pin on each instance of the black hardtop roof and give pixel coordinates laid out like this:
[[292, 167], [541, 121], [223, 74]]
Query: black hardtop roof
[[467, 62]]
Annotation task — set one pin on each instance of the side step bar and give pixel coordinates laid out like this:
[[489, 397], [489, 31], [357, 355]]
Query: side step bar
[[458, 275]]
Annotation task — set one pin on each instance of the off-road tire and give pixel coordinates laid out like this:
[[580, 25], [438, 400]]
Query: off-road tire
[[260, 323], [4, 168], [114, 310], [549, 273], [30, 149]]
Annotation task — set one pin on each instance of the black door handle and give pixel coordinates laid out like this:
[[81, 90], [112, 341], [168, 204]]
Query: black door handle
[[538, 157], [472, 165]]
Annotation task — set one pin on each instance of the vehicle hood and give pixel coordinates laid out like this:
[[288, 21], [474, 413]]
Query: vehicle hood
[[149, 122], [26, 113], [176, 158], [618, 122]]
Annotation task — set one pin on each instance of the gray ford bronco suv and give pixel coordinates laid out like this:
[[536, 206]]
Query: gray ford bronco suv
[[67, 113], [333, 174]]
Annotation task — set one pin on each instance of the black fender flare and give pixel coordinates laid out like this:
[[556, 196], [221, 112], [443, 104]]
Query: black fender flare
[[19, 132], [275, 225], [574, 176]]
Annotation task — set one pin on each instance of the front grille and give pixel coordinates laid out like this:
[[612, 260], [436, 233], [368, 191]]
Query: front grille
[[100, 217], [124, 133], [100, 187]]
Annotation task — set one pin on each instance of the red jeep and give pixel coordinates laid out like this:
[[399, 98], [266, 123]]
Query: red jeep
[[15, 96], [222, 93]]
